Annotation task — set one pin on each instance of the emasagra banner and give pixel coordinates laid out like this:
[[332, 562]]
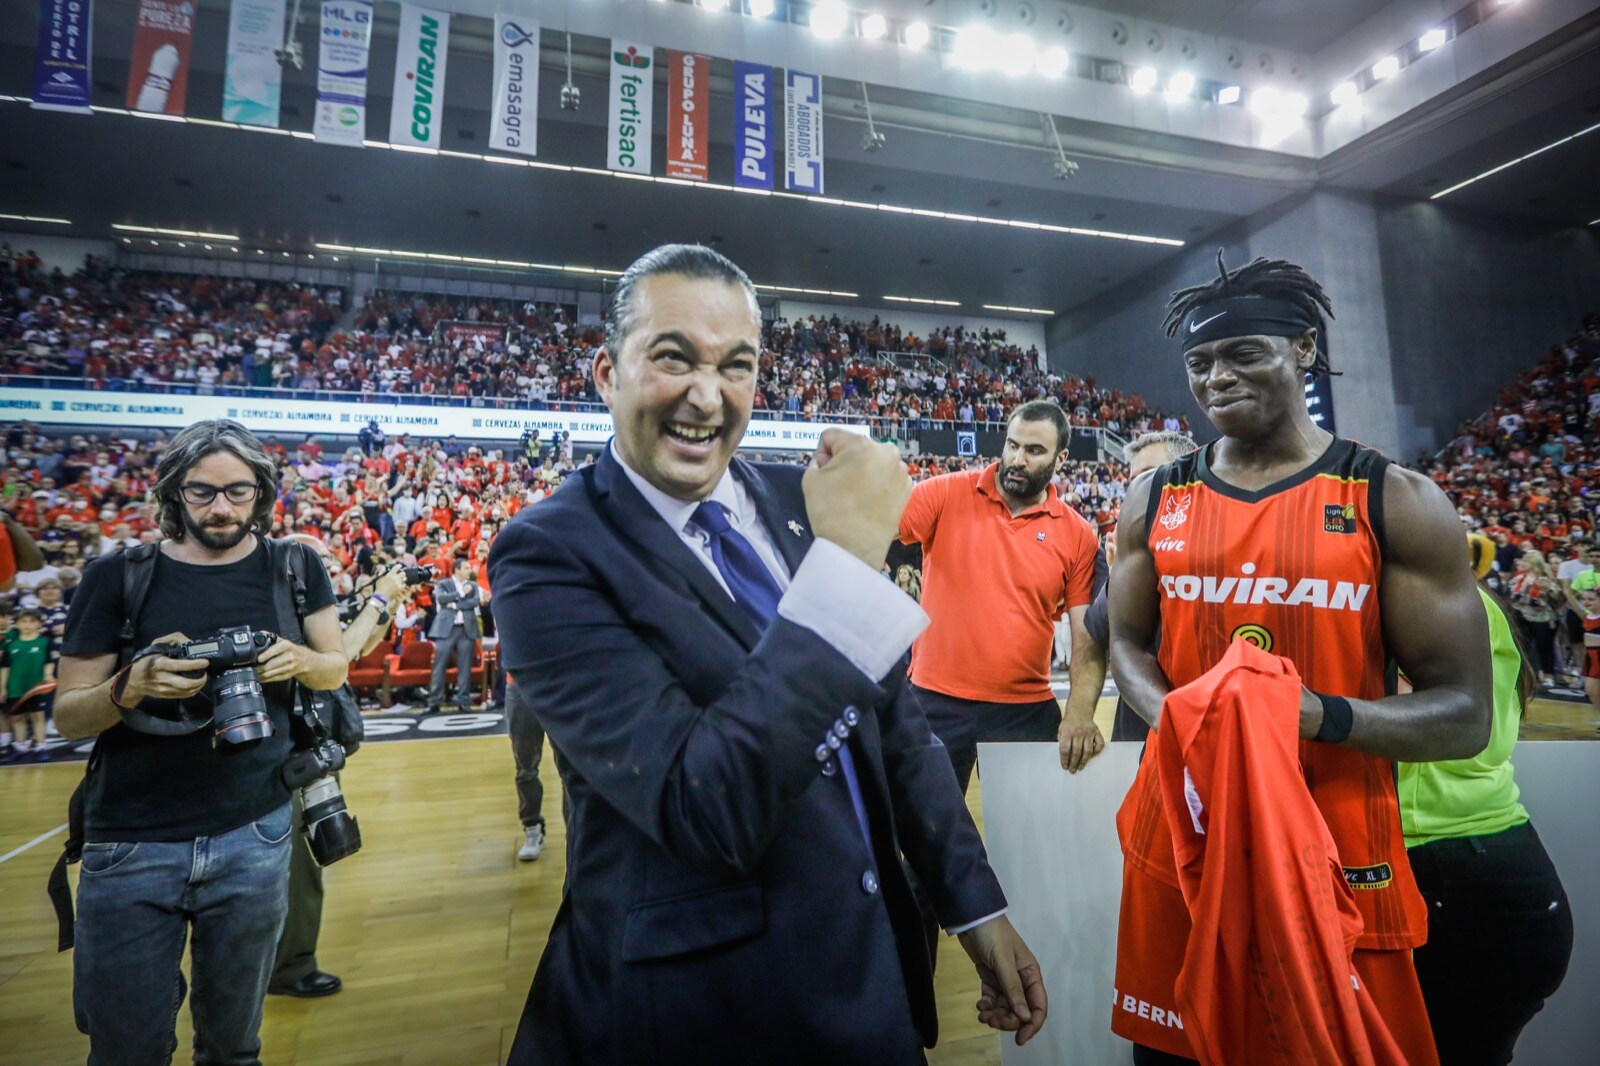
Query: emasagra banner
[[61, 63], [342, 53], [514, 113], [688, 104], [252, 86], [158, 70], [802, 130], [419, 65], [633, 86]]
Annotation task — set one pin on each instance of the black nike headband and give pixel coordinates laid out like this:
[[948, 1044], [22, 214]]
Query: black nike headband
[[1243, 316]]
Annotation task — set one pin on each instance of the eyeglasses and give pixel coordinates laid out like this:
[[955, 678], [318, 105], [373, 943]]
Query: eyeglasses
[[198, 495]]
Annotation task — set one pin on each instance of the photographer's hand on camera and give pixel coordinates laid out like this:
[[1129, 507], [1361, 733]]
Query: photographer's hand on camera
[[162, 678]]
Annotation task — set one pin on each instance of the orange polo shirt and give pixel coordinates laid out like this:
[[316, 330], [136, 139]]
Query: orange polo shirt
[[994, 585]]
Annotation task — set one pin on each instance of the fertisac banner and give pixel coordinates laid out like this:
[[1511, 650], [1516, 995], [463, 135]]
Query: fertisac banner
[[752, 117], [633, 88], [419, 64], [514, 120]]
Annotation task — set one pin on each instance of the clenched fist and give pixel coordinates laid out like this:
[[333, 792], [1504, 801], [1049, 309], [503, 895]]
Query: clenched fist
[[855, 492]]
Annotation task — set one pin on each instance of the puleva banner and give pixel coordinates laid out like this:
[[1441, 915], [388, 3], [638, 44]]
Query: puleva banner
[[158, 70], [61, 63], [802, 128], [633, 86], [752, 125], [688, 102], [419, 64], [253, 84], [514, 120], [342, 72]]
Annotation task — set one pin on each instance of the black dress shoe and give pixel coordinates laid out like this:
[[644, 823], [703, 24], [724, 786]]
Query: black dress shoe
[[310, 986]]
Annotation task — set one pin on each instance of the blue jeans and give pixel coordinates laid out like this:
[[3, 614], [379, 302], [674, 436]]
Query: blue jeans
[[136, 904]]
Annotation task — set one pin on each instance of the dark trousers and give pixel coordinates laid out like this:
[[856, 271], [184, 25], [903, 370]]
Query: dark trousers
[[1499, 938], [527, 748], [297, 946], [458, 645], [962, 724], [1149, 1056]]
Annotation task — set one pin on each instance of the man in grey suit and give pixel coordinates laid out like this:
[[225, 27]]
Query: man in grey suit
[[455, 632]]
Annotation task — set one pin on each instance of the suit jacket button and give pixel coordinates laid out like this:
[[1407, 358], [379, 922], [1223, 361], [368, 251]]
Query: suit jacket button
[[869, 882], [841, 730], [822, 753], [852, 717], [829, 768], [832, 742]]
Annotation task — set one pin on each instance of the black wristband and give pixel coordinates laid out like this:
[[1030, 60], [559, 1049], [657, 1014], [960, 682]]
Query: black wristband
[[1337, 717]]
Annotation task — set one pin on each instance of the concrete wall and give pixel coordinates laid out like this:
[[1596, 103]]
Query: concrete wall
[[64, 252]]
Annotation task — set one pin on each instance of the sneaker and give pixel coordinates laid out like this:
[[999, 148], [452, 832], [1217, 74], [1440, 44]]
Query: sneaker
[[532, 843]]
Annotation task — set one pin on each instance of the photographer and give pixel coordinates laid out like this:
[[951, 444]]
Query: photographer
[[186, 816]]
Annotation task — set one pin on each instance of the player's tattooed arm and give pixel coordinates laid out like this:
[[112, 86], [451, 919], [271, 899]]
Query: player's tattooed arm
[[1136, 608]]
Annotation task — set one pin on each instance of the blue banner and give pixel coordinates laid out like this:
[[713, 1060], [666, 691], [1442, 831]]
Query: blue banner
[[752, 133], [802, 130], [61, 64]]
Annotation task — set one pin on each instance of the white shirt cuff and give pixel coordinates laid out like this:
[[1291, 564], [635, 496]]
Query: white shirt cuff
[[958, 930], [862, 614]]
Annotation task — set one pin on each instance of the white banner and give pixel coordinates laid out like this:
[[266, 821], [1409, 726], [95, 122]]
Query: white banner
[[253, 84], [77, 407], [802, 130], [342, 72], [633, 86], [419, 63], [514, 118]]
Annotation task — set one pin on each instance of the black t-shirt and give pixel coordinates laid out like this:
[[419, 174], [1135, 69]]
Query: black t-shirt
[[150, 787]]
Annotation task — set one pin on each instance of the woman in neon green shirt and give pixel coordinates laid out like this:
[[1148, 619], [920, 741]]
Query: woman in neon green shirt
[[1493, 895]]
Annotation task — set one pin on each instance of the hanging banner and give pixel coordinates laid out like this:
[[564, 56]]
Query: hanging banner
[[802, 122], [514, 120], [633, 86], [253, 84], [752, 119], [688, 104], [158, 71], [342, 72], [61, 62], [419, 63]]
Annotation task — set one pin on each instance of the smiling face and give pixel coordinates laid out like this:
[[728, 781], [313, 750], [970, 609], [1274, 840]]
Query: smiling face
[[681, 389], [1248, 385]]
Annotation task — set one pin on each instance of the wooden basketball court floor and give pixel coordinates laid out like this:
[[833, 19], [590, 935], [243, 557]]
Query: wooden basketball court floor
[[434, 925]]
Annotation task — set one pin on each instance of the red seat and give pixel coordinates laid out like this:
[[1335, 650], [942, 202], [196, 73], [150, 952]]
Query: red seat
[[370, 672], [413, 666]]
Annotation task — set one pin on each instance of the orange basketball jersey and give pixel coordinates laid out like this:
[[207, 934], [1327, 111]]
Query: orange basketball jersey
[[1293, 568]]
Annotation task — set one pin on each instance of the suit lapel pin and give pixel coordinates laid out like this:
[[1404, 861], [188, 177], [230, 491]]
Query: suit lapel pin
[[796, 528]]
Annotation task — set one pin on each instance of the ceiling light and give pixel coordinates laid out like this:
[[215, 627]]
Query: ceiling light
[[1432, 39], [1054, 61], [762, 8], [974, 48], [1387, 67], [916, 35], [174, 232], [1343, 93], [713, 5], [1514, 162], [1180, 85], [1018, 310], [182, 245], [1228, 94], [1142, 80], [874, 26], [1292, 105], [1264, 102], [1016, 53], [828, 18], [922, 300], [35, 218]]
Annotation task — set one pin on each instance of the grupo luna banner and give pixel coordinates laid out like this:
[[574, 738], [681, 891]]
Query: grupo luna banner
[[61, 63], [514, 121], [752, 120], [419, 63], [633, 86], [158, 71], [688, 102], [80, 407], [342, 72], [802, 122], [253, 84]]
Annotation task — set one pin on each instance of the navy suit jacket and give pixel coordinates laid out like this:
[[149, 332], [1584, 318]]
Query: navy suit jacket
[[718, 904]]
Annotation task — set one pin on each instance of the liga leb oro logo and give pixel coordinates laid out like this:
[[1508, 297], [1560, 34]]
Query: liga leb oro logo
[[632, 58], [1339, 518], [1251, 633], [1175, 512]]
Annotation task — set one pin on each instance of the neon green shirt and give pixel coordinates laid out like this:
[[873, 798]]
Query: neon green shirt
[[1477, 796]]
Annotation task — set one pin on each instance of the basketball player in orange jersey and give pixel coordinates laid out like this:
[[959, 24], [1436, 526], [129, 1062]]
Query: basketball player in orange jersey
[[1316, 549]]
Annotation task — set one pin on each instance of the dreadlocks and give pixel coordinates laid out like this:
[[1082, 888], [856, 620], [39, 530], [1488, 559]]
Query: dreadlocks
[[1275, 278]]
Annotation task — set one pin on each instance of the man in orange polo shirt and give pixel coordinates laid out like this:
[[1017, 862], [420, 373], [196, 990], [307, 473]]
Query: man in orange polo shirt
[[1002, 558]]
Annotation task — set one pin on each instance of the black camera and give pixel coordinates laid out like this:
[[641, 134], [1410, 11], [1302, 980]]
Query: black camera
[[330, 828], [239, 714], [418, 575]]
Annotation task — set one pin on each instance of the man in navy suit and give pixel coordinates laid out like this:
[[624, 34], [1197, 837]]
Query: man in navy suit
[[749, 776]]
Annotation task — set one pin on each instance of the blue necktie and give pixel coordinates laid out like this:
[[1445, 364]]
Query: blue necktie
[[755, 590]]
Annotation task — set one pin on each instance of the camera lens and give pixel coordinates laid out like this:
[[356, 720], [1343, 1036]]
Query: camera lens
[[241, 710], [330, 827]]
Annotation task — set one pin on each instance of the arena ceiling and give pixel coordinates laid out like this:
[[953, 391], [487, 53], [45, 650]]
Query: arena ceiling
[[290, 194]]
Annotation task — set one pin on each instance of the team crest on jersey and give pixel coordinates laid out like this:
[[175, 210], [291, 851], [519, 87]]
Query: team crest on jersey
[[1368, 877], [1175, 512], [1251, 633], [1339, 518]]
